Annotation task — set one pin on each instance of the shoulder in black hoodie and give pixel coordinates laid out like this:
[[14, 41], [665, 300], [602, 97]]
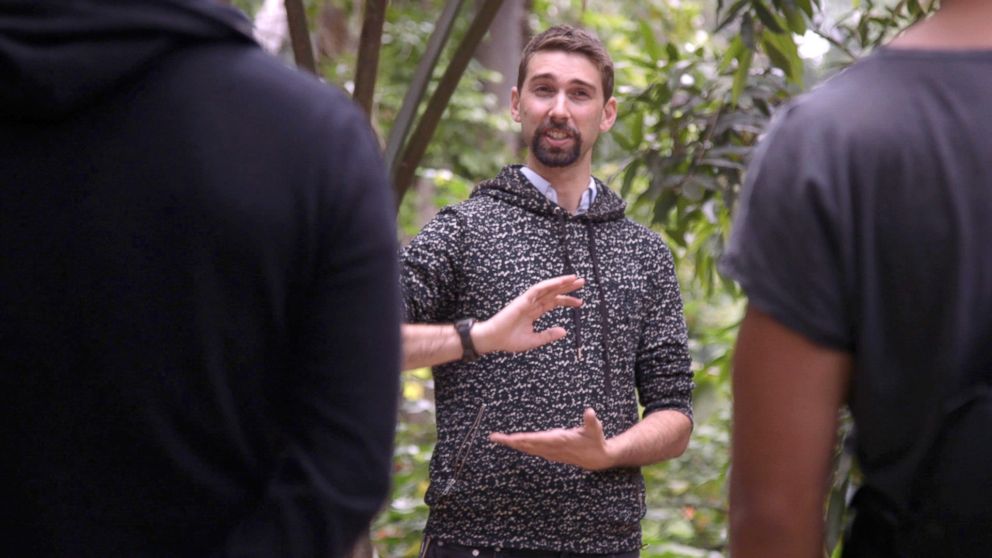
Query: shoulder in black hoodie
[[198, 306]]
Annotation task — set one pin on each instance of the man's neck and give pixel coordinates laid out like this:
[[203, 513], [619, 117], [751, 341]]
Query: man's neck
[[568, 182], [957, 25]]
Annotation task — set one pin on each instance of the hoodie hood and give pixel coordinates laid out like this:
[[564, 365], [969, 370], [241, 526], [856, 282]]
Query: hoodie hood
[[59, 56], [511, 186]]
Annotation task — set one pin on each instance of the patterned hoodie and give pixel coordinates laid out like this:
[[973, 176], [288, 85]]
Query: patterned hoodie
[[627, 341]]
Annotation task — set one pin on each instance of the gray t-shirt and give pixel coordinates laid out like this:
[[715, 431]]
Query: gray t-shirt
[[866, 225]]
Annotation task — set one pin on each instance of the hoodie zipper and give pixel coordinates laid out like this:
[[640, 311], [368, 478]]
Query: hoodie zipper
[[462, 452]]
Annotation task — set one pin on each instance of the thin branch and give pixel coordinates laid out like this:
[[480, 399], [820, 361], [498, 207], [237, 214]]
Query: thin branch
[[701, 150], [835, 43], [418, 86], [367, 66], [299, 36], [424, 131]]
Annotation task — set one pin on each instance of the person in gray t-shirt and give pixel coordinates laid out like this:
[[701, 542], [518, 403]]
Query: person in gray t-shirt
[[862, 244]]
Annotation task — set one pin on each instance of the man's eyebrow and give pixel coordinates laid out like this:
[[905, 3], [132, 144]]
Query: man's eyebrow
[[551, 76]]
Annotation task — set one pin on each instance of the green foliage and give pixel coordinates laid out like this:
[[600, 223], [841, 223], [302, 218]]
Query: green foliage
[[867, 24], [397, 530], [467, 144], [698, 82], [692, 112], [687, 500], [692, 106]]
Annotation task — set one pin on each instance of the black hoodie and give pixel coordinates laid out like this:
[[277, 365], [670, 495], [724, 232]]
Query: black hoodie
[[626, 343], [198, 306]]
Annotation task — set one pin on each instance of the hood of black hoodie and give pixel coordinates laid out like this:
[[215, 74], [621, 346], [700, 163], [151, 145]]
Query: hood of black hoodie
[[59, 56], [511, 186]]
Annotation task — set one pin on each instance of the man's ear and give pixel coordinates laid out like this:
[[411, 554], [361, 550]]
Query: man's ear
[[515, 104], [609, 115]]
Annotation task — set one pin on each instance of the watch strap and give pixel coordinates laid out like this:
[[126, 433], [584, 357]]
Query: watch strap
[[464, 329]]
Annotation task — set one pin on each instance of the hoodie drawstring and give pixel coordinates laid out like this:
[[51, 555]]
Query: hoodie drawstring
[[605, 327], [598, 281], [570, 270]]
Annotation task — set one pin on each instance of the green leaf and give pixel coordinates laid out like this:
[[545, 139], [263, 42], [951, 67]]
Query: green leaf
[[914, 8], [673, 52], [767, 17], [735, 9], [650, 41], [740, 76], [626, 143], [666, 201], [782, 51], [628, 177], [794, 17], [637, 130], [733, 51]]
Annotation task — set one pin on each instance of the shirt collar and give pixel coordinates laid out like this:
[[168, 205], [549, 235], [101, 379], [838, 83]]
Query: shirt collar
[[544, 187]]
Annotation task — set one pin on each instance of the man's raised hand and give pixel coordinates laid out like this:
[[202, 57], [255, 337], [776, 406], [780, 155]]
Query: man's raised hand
[[512, 328]]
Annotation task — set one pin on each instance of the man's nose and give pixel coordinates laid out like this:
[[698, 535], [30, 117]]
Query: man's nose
[[559, 108]]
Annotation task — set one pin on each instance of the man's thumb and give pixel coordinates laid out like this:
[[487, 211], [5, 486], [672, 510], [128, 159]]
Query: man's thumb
[[591, 421], [552, 334]]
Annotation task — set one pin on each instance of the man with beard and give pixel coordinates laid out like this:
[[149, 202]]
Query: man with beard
[[538, 452]]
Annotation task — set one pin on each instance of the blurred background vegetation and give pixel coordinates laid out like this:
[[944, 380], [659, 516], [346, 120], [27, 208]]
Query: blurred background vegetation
[[697, 83]]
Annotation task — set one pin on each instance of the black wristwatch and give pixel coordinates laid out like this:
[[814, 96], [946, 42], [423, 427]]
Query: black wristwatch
[[464, 329]]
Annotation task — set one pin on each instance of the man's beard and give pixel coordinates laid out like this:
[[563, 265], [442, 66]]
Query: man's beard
[[554, 156]]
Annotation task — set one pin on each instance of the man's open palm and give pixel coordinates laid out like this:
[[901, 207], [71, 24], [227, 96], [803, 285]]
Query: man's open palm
[[584, 446]]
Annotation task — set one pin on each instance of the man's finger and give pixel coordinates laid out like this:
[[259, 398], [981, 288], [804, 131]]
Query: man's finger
[[570, 301], [542, 437], [591, 422], [557, 285], [549, 335], [515, 441]]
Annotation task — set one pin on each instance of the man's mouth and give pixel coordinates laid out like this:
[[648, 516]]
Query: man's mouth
[[558, 134], [556, 145]]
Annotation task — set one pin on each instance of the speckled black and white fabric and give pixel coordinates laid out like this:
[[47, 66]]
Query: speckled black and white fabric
[[470, 261]]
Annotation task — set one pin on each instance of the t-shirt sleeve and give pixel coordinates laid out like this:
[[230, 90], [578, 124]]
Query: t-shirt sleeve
[[787, 243]]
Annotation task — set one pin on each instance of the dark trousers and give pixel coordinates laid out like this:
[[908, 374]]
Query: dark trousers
[[438, 549]]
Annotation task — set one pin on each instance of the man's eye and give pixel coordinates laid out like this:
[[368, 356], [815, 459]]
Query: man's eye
[[542, 90], [581, 94]]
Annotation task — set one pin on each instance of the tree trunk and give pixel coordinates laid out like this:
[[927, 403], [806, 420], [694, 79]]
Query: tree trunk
[[368, 53], [417, 145], [501, 52], [299, 35]]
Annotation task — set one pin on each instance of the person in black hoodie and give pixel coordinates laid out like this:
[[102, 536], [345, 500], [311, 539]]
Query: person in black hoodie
[[538, 452], [199, 312]]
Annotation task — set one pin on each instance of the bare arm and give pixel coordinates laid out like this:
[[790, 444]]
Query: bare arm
[[511, 329], [787, 392], [659, 436], [429, 345]]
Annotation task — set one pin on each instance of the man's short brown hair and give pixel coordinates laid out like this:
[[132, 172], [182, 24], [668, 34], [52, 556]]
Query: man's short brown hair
[[565, 38]]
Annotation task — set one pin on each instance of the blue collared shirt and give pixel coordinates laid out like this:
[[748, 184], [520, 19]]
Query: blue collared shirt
[[544, 187]]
